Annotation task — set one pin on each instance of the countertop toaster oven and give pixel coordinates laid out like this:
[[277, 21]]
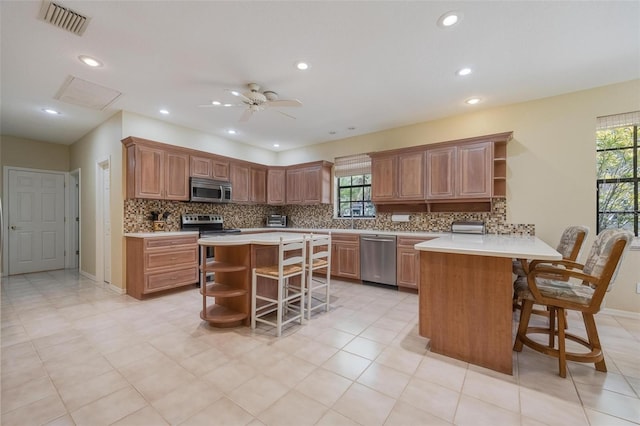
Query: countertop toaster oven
[[276, 221]]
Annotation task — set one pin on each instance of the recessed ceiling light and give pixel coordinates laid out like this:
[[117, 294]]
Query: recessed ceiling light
[[164, 111], [276, 145], [50, 111], [302, 66], [473, 101], [463, 71], [88, 60], [227, 105], [235, 93], [449, 19], [215, 103], [231, 132]]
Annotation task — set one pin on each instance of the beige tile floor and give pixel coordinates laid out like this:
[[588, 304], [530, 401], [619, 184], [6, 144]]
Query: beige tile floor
[[76, 353]]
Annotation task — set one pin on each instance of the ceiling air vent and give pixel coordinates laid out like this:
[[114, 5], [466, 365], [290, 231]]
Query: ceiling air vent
[[63, 17]]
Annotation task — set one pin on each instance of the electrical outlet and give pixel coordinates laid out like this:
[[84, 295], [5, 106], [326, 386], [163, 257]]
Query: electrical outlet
[[638, 288]]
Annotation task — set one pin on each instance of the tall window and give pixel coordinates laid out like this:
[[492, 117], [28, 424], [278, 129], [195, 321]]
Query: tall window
[[353, 176], [618, 178]]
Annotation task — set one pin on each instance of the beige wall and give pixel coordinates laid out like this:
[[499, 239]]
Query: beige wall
[[551, 161], [98, 145], [148, 128]]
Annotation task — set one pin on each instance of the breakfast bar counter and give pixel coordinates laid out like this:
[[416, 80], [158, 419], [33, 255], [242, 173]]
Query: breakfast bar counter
[[465, 295]]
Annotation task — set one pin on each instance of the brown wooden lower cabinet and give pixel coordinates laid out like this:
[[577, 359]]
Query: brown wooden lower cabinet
[[345, 256], [160, 263], [408, 262]]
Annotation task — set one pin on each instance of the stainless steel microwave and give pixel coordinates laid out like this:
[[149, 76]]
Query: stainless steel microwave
[[210, 191]]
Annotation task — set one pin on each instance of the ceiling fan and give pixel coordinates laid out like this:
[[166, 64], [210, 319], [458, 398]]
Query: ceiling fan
[[257, 100]]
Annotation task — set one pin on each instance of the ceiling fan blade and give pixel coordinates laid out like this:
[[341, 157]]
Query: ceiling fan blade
[[246, 115], [238, 94], [283, 113], [285, 103], [221, 105]]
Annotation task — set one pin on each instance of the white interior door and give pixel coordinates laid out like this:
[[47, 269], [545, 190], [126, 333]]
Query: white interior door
[[36, 221]]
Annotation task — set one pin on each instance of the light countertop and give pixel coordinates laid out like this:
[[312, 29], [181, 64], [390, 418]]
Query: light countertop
[[159, 234], [518, 247], [267, 238], [416, 234]]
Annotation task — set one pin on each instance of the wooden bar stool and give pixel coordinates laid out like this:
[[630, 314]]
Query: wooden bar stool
[[288, 299], [549, 285], [319, 259]]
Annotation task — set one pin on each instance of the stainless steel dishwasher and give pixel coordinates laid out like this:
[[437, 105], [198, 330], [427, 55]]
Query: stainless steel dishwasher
[[378, 259]]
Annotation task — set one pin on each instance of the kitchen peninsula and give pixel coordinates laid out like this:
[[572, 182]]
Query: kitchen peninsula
[[235, 256], [465, 296]]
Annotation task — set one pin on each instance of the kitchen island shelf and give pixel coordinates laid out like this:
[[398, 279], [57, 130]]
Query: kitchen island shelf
[[222, 290], [217, 266], [222, 316]]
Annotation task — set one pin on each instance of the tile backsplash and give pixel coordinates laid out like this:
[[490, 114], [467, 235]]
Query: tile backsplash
[[137, 214]]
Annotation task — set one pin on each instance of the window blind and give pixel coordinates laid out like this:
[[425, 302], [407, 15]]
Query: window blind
[[350, 165], [618, 120]]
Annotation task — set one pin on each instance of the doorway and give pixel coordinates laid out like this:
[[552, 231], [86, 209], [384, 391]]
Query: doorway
[[103, 222]]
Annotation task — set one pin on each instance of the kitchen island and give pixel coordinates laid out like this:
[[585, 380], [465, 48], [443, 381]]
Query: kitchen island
[[465, 295], [235, 255]]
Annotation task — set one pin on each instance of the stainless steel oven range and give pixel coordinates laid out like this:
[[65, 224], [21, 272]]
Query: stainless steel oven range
[[206, 224]]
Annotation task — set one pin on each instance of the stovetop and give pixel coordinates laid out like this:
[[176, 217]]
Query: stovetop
[[205, 224]]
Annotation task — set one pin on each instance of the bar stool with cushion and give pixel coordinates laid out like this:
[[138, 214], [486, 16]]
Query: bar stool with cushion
[[551, 285], [569, 248], [288, 299], [318, 287]]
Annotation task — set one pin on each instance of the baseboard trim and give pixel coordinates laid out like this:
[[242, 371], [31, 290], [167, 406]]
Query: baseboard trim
[[620, 313], [116, 289], [87, 275]]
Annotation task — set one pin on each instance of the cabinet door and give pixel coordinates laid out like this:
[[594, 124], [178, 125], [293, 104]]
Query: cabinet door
[[408, 267], [474, 170], [240, 182], [201, 167], [276, 184], [295, 186], [411, 176], [383, 178], [440, 174], [312, 184], [149, 172], [348, 261], [258, 185], [177, 176], [220, 169]]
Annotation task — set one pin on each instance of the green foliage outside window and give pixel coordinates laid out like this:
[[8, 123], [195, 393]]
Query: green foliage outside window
[[618, 178], [354, 196]]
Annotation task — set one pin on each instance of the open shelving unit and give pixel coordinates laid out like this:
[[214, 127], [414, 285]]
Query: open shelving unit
[[500, 169], [225, 300]]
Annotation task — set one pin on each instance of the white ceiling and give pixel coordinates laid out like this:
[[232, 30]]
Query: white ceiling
[[374, 65]]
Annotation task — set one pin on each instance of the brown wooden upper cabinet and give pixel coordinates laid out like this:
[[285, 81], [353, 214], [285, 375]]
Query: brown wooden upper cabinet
[[309, 183], [276, 185], [209, 167], [154, 172], [249, 183], [460, 172], [397, 177]]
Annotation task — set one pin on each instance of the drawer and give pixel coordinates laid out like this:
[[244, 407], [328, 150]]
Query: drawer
[[153, 243], [345, 238], [162, 259], [171, 279]]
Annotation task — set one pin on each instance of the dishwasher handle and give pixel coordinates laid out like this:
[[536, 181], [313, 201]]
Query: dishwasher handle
[[385, 240]]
